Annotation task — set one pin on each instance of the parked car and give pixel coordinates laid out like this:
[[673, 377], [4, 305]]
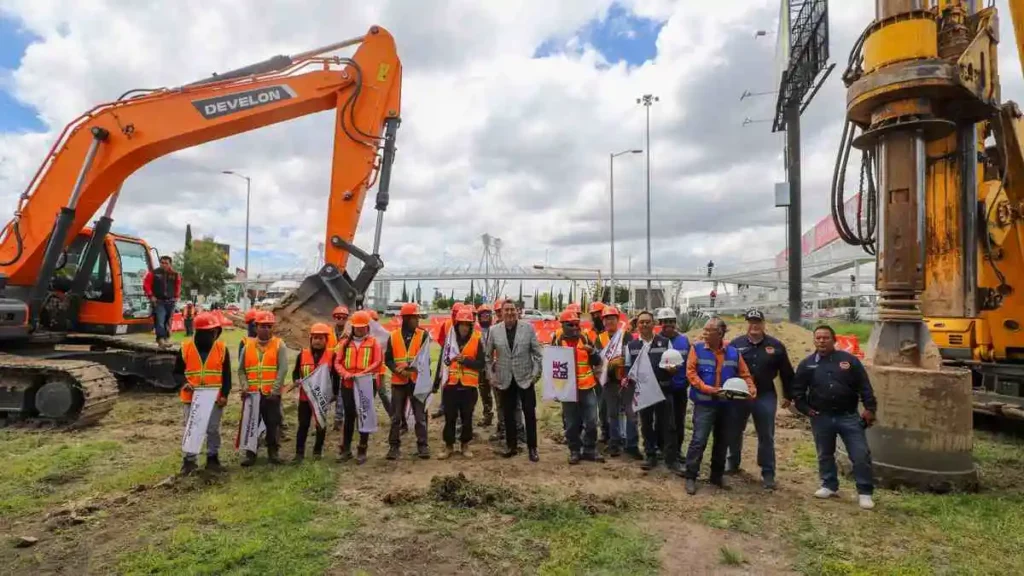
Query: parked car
[[533, 314]]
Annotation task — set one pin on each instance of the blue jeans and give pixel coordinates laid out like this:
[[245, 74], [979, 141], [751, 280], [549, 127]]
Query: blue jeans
[[825, 428], [618, 399], [763, 410], [163, 311], [708, 419], [580, 418]]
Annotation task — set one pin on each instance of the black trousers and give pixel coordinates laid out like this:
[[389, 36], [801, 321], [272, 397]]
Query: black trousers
[[528, 400], [401, 394], [487, 397], [679, 400], [305, 419], [270, 413], [664, 434], [348, 396], [459, 402]]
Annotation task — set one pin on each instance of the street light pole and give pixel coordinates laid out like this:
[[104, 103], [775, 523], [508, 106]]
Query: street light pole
[[647, 100], [248, 197], [611, 212]]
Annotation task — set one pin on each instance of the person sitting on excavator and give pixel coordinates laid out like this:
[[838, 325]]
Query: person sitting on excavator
[[263, 369], [204, 363], [311, 358]]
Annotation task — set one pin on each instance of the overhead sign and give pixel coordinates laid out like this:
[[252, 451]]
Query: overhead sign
[[227, 104]]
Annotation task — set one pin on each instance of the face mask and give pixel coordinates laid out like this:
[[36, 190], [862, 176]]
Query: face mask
[[204, 339]]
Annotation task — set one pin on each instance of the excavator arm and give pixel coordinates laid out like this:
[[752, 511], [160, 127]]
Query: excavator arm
[[98, 151]]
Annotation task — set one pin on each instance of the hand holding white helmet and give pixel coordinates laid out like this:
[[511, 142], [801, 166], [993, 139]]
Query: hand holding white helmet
[[735, 388], [671, 358]]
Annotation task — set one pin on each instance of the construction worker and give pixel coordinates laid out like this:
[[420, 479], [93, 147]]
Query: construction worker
[[188, 315], [581, 417], [358, 354], [618, 391], [659, 428], [827, 387], [163, 288], [442, 338], [597, 328], [340, 315], [204, 363], [484, 315], [460, 391], [250, 329], [711, 362], [403, 347], [311, 358], [667, 320], [766, 357], [263, 369]]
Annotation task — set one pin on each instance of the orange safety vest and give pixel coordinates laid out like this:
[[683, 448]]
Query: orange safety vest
[[401, 355], [190, 311], [199, 374], [332, 341], [306, 365], [261, 365], [457, 372], [585, 379], [358, 359]]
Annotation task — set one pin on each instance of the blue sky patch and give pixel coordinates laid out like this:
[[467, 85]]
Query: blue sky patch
[[15, 116], [619, 35]]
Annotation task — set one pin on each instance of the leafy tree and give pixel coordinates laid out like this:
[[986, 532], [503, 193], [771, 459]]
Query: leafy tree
[[419, 293], [188, 237], [543, 302], [551, 297], [520, 303], [561, 301], [536, 298], [202, 268], [405, 293]]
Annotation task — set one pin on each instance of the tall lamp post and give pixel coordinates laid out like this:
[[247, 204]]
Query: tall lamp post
[[248, 196], [647, 100], [611, 212]]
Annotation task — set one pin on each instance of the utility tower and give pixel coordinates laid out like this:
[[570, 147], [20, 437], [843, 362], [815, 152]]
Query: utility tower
[[491, 267]]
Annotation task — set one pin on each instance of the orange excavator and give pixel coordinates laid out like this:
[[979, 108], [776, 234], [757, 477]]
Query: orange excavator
[[68, 290]]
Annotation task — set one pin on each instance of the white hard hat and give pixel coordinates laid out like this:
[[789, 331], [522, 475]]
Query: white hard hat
[[735, 388], [670, 358], [665, 314]]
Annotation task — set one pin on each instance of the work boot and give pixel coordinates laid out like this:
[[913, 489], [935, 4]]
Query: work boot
[[614, 451], [272, 456], [574, 458], [361, 455], [250, 459], [188, 466], [213, 463], [677, 468], [691, 486], [466, 452], [768, 481], [720, 482], [594, 457], [423, 452], [393, 453], [534, 455], [446, 452], [650, 463], [634, 453], [344, 456]]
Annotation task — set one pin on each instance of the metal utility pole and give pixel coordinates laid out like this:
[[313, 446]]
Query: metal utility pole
[[248, 197], [611, 213], [647, 100], [795, 245]]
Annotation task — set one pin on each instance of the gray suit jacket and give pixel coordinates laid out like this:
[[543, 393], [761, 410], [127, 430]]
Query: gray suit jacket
[[524, 361]]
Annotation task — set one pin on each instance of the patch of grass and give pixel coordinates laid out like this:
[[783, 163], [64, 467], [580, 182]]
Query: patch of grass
[[267, 520], [42, 468], [806, 455], [730, 556], [134, 473], [732, 517]]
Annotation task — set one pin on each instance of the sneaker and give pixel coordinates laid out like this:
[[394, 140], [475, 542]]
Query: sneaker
[[691, 486], [392, 453], [509, 453], [188, 466], [825, 493], [466, 452], [574, 458], [423, 452], [534, 455], [865, 502], [213, 463]]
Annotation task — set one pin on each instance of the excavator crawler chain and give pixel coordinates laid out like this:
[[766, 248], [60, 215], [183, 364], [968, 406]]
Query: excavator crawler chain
[[97, 386]]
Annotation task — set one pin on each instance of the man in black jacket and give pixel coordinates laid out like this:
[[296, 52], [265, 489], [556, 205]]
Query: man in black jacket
[[828, 386], [656, 422]]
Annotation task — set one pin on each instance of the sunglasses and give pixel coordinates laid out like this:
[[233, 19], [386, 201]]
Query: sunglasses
[[572, 325], [340, 317]]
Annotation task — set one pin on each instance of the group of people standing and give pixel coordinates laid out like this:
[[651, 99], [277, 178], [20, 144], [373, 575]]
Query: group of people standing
[[499, 364]]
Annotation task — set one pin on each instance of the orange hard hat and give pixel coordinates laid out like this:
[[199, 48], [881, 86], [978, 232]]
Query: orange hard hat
[[373, 314], [499, 304], [574, 307], [206, 321], [483, 308], [610, 311], [321, 329], [266, 317], [568, 316], [360, 319], [250, 315], [342, 309], [596, 307], [464, 316], [409, 309]]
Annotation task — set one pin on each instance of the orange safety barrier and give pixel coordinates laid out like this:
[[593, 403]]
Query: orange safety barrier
[[849, 344]]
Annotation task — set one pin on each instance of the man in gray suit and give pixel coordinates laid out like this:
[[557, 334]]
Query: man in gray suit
[[514, 359]]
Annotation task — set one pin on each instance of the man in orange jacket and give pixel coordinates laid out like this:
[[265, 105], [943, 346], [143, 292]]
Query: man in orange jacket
[[204, 363]]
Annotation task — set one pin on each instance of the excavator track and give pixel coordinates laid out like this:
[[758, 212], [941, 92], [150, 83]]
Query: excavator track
[[69, 393], [136, 365]]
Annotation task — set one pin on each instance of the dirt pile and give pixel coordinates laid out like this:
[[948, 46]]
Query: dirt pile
[[799, 341], [293, 327], [461, 492]]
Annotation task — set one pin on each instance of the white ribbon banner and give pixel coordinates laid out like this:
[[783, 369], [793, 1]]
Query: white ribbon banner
[[365, 412], [203, 401], [424, 384], [648, 391], [611, 351], [559, 373], [318, 392], [249, 428], [448, 352]]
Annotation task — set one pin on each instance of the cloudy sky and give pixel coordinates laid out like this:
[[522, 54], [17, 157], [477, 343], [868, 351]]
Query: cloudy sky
[[509, 113]]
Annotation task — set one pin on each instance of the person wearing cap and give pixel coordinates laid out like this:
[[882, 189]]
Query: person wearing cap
[[483, 317], [667, 320], [766, 357], [514, 357], [340, 315], [250, 328], [311, 358], [618, 391], [712, 363], [581, 417], [263, 369], [403, 347], [203, 362], [358, 354], [460, 390], [659, 428]]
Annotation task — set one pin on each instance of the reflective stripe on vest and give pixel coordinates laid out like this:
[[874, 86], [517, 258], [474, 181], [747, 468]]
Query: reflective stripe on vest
[[199, 374], [459, 372], [307, 365], [261, 365], [358, 358], [404, 356], [707, 364], [585, 379]]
